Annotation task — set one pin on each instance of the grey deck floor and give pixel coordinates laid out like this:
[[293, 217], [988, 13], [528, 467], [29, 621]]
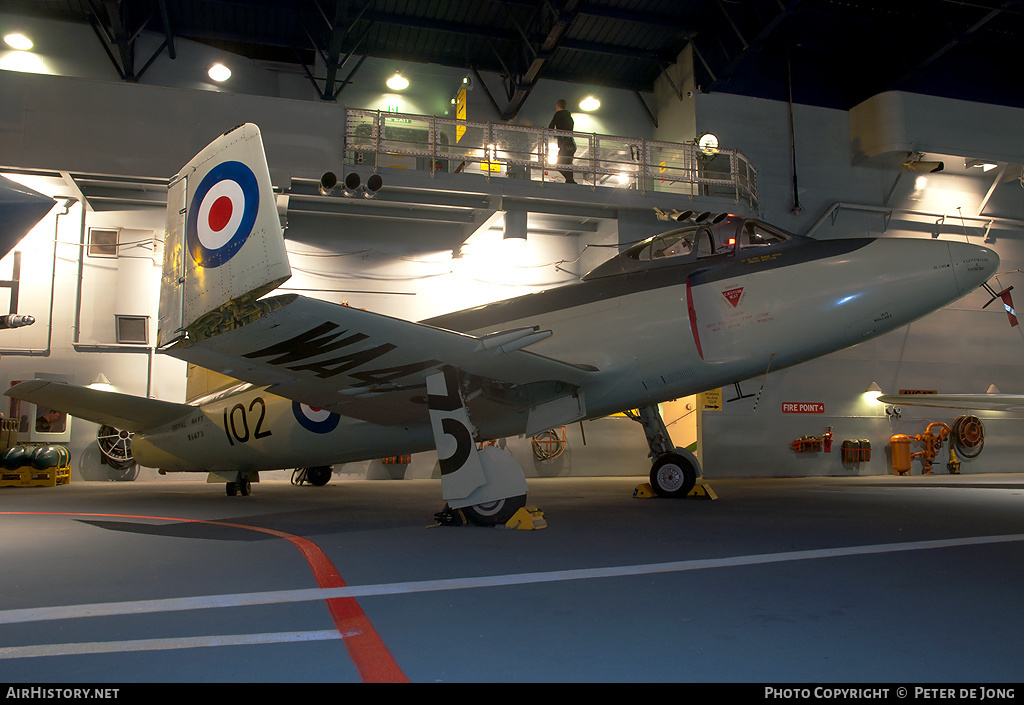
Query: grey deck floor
[[871, 579]]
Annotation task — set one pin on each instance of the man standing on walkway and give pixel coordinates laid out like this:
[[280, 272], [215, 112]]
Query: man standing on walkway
[[562, 120]]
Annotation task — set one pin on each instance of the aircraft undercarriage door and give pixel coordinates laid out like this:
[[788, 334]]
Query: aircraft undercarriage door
[[486, 483]]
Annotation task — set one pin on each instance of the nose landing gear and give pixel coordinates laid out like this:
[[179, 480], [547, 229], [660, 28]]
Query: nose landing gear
[[674, 475], [676, 470]]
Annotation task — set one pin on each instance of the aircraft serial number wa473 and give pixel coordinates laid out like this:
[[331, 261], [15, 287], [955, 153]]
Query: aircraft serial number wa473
[[706, 304]]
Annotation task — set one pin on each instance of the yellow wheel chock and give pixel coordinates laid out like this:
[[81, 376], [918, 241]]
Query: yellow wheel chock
[[527, 519], [699, 491]]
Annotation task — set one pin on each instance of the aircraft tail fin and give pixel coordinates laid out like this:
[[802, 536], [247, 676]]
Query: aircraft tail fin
[[224, 245]]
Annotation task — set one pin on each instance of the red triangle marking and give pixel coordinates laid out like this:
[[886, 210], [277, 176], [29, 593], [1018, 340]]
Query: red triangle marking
[[733, 295]]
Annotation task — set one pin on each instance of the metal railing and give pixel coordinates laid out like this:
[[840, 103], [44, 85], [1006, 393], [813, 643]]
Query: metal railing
[[426, 143]]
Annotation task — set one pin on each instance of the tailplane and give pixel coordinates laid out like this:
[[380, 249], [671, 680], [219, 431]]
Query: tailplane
[[224, 246], [122, 411]]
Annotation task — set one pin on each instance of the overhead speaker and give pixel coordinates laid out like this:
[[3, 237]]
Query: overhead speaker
[[373, 185], [352, 181], [328, 182]]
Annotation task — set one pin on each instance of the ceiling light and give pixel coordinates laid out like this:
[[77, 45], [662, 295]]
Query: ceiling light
[[923, 167], [980, 164], [219, 72], [102, 383], [398, 82], [18, 41], [590, 103], [23, 61]]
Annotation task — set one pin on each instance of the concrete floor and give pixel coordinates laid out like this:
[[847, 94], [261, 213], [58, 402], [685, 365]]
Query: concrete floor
[[870, 579]]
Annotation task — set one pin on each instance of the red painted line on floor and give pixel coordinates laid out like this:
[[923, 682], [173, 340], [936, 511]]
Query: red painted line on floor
[[365, 647]]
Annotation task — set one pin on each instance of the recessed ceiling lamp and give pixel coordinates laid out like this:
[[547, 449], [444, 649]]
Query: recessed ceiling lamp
[[18, 41], [219, 73], [984, 166], [398, 82], [590, 104]]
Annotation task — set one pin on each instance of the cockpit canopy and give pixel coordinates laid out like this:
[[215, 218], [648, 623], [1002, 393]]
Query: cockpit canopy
[[692, 242]]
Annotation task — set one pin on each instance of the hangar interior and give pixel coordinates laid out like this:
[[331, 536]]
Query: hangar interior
[[445, 233]]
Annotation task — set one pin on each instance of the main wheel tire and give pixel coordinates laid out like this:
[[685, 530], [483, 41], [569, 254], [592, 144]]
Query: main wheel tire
[[673, 475], [496, 512], [319, 475]]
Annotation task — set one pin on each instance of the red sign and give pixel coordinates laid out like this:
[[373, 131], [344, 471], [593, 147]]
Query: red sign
[[734, 295], [803, 407]]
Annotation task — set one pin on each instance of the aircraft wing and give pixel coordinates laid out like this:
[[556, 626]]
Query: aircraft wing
[[988, 402], [362, 364], [224, 248], [122, 411]]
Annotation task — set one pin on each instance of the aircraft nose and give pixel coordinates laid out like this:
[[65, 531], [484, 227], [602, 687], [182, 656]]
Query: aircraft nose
[[973, 265]]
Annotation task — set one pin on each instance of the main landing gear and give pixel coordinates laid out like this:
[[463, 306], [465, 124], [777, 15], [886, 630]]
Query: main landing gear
[[675, 470], [484, 486], [235, 483], [241, 487], [318, 475]]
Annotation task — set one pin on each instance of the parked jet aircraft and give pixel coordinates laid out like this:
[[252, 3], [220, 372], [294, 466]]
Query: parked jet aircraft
[[706, 304]]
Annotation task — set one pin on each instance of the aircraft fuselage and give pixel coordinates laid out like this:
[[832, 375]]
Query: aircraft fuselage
[[651, 335]]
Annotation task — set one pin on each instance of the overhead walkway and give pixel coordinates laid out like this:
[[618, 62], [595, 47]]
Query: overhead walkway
[[386, 140]]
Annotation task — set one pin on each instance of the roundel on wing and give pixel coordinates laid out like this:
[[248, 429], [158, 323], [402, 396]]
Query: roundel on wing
[[315, 419], [222, 213]]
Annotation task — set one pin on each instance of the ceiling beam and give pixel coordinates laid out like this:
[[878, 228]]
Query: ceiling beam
[[956, 40], [110, 22], [523, 85], [785, 11]]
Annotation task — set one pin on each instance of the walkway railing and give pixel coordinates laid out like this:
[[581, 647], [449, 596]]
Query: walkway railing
[[425, 143]]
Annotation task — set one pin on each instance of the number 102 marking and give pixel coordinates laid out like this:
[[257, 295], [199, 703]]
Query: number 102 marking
[[231, 422]]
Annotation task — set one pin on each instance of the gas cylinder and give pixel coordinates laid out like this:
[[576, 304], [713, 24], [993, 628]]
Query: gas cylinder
[[901, 454]]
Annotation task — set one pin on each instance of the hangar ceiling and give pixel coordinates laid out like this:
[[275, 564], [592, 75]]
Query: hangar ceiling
[[830, 53], [833, 53]]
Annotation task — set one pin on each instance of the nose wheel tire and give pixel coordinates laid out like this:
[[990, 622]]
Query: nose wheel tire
[[673, 475]]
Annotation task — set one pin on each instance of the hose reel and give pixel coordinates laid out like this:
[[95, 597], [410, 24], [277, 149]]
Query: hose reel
[[548, 445], [968, 436]]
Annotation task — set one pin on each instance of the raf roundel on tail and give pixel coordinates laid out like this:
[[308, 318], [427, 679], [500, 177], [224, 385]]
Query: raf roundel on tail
[[222, 213]]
